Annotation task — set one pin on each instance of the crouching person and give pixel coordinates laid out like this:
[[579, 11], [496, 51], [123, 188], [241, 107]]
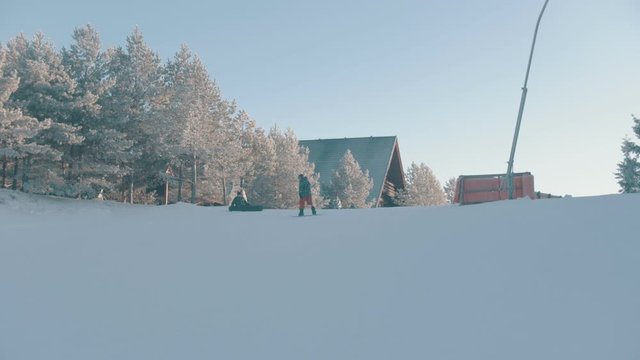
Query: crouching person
[[239, 203]]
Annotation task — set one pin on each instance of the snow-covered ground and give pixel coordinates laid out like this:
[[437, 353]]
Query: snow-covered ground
[[545, 279]]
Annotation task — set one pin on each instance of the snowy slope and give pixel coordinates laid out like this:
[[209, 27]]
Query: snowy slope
[[546, 279]]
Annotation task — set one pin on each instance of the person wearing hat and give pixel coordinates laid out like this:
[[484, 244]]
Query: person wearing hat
[[238, 202], [304, 190]]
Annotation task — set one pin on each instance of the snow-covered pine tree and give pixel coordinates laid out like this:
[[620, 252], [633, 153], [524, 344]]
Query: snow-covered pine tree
[[231, 161], [40, 171], [16, 129], [8, 118], [280, 160], [193, 126], [423, 188], [9, 81], [166, 114], [628, 173], [136, 73], [45, 93], [350, 184], [449, 189], [45, 87], [291, 160], [197, 123], [227, 151], [96, 163], [258, 182]]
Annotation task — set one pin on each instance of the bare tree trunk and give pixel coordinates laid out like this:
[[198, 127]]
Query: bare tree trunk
[[195, 178], [131, 191], [74, 166], [25, 171], [127, 194], [180, 183], [166, 192], [14, 186], [224, 190], [4, 170]]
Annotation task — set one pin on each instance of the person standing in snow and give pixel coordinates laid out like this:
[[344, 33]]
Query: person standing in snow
[[304, 190]]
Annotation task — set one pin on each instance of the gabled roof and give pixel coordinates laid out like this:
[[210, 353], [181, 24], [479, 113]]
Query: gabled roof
[[374, 154]]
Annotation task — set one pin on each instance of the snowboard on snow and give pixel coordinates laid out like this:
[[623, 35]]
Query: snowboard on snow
[[247, 208], [307, 215]]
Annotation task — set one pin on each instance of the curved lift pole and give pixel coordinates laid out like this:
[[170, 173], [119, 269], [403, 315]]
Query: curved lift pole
[[521, 110]]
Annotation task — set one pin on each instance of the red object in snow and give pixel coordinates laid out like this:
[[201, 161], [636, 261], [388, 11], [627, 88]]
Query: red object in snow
[[475, 189]]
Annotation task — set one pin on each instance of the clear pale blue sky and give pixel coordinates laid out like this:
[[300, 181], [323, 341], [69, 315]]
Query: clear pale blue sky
[[444, 76]]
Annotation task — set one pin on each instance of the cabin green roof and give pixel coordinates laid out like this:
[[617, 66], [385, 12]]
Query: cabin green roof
[[379, 155]]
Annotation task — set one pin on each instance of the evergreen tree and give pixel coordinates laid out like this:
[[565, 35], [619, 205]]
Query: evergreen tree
[[167, 111], [280, 160], [231, 162], [40, 175], [423, 188], [127, 106], [628, 173], [44, 93], [8, 81], [97, 162], [221, 136], [449, 189], [262, 170], [17, 130], [45, 89], [350, 184], [198, 128], [291, 160]]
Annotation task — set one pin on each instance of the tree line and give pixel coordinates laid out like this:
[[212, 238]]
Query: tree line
[[83, 121]]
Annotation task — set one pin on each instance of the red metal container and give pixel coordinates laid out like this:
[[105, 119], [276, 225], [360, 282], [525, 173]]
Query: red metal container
[[475, 189]]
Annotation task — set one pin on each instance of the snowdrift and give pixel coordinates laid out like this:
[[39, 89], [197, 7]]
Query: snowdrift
[[545, 279]]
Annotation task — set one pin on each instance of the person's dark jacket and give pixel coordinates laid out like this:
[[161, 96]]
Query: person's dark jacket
[[304, 187], [238, 201]]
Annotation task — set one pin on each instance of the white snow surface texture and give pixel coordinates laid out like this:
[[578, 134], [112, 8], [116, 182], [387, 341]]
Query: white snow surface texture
[[543, 279]]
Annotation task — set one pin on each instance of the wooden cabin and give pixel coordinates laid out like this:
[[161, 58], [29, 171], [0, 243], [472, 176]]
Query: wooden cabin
[[379, 155]]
